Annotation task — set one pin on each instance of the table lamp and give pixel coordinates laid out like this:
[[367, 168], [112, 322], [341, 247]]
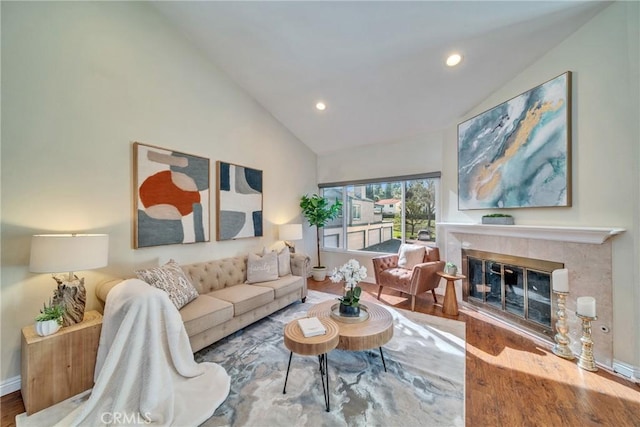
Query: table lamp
[[289, 232], [58, 253]]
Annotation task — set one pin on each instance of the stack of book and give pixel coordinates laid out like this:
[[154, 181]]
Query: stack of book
[[311, 327]]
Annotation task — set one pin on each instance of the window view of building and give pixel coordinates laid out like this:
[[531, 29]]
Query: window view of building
[[382, 215]]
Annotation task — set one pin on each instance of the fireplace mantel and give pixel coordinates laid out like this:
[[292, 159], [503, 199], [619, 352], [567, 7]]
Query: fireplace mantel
[[592, 235]]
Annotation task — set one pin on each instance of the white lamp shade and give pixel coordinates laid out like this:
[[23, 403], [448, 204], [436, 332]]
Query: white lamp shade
[[58, 253], [290, 232]]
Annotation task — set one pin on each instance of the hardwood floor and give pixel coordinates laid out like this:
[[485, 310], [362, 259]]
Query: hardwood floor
[[511, 379]]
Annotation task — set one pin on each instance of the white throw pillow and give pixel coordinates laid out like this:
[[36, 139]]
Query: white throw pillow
[[410, 256], [284, 262], [262, 268], [171, 279]]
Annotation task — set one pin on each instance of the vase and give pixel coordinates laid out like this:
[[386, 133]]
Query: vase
[[349, 311], [47, 327]]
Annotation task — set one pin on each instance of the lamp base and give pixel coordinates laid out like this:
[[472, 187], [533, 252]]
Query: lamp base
[[292, 248], [73, 297]]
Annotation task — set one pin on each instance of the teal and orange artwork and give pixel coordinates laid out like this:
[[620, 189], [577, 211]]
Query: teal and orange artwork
[[172, 197], [517, 154]]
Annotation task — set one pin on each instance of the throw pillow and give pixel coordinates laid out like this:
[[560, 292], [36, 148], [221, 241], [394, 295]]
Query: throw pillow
[[284, 262], [171, 279], [410, 256], [262, 268]]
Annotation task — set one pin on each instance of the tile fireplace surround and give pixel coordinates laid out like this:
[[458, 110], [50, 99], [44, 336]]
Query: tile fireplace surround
[[585, 251]]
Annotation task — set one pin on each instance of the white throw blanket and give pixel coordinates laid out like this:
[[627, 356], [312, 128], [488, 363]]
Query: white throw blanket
[[145, 370]]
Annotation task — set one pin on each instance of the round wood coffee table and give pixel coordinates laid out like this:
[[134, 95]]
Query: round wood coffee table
[[374, 332], [319, 346]]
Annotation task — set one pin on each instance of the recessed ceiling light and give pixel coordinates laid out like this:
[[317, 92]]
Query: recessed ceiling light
[[321, 106], [454, 60]]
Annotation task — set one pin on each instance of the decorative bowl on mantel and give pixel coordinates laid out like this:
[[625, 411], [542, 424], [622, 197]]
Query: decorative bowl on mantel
[[498, 220]]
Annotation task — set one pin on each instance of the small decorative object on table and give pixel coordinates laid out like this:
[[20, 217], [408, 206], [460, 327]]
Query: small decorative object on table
[[451, 269], [351, 273], [49, 320], [498, 219]]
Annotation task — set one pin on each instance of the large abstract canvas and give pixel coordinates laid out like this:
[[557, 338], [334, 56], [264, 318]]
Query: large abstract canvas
[[239, 201], [518, 154], [171, 197]]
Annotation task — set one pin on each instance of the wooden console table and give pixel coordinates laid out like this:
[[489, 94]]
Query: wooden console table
[[61, 365]]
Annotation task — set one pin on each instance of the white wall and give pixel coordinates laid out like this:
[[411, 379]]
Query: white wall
[[80, 82], [603, 56]]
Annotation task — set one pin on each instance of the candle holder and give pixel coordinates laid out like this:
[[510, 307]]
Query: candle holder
[[586, 360], [561, 348]]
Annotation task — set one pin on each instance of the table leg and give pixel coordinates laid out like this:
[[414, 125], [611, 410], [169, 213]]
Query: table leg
[[284, 390], [382, 357], [324, 371], [450, 304]]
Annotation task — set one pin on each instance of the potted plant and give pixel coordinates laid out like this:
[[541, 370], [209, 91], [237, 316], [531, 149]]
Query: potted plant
[[500, 219], [351, 273], [49, 320], [318, 211], [450, 269]]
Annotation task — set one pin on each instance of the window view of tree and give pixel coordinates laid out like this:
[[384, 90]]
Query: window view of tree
[[381, 216]]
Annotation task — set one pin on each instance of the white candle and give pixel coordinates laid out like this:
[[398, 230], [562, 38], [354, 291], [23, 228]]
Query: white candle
[[586, 306], [560, 279]]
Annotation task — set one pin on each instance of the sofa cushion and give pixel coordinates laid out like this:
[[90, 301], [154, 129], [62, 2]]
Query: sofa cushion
[[244, 297], [262, 268], [217, 274], [410, 256], [204, 313], [284, 285], [171, 279], [284, 262]]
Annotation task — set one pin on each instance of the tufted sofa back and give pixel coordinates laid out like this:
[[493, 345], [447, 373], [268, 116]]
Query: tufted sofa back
[[217, 274]]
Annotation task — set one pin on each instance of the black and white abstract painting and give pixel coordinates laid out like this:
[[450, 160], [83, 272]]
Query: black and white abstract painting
[[239, 201]]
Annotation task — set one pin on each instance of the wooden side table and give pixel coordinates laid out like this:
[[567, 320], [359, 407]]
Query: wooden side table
[[319, 346], [61, 365], [450, 304]]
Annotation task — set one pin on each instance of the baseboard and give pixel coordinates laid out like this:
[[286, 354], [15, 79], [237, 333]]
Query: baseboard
[[629, 371], [10, 385]]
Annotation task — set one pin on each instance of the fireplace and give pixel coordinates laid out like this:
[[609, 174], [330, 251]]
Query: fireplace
[[514, 287]]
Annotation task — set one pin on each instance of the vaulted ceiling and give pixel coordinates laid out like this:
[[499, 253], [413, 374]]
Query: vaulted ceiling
[[378, 66]]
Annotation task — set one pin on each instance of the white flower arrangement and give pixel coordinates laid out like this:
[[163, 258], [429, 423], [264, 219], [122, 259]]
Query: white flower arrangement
[[352, 273]]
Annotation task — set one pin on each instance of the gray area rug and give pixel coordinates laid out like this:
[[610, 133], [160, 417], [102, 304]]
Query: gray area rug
[[424, 385]]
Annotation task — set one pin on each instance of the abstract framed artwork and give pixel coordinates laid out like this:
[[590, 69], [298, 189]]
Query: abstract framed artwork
[[518, 154], [171, 197], [238, 201]]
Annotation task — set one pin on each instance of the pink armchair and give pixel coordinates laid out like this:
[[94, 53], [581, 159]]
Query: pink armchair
[[421, 279]]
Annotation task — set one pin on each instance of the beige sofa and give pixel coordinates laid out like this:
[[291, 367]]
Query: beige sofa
[[225, 303]]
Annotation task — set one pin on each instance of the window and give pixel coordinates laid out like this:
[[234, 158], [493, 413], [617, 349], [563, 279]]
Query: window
[[384, 213]]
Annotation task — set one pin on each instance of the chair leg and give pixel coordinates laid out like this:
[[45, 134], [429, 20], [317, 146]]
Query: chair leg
[[433, 291], [379, 292], [413, 303]]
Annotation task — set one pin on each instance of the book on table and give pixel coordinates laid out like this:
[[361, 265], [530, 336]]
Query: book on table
[[311, 327]]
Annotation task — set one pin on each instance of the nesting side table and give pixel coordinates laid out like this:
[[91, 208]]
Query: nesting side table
[[319, 346]]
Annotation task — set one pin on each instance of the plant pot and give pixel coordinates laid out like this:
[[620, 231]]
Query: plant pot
[[349, 311], [451, 271], [319, 273], [497, 220], [47, 327]]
